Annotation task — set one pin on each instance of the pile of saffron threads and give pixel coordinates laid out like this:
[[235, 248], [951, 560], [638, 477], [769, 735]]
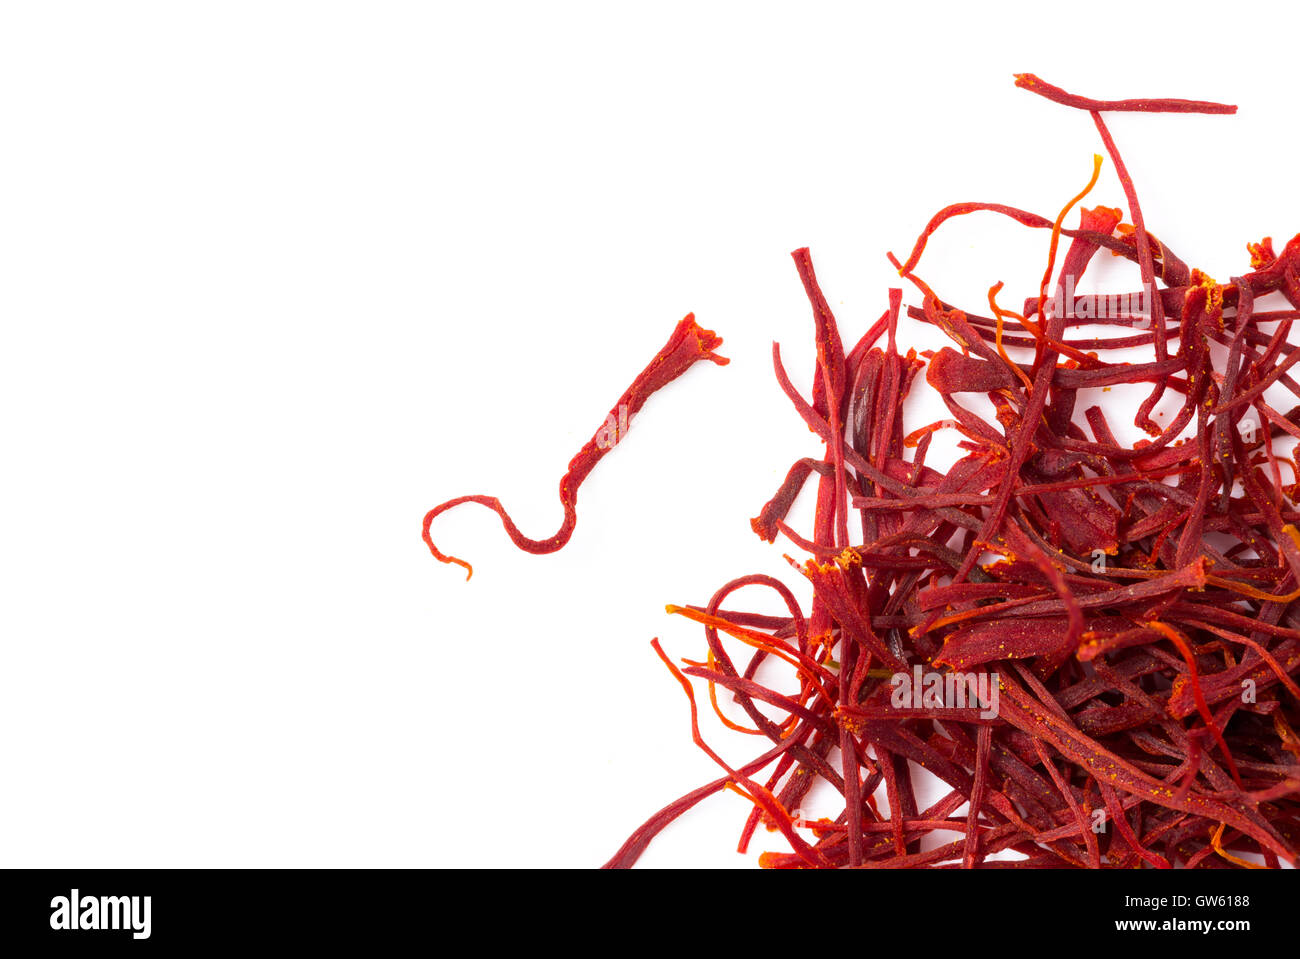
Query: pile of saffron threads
[[1092, 646]]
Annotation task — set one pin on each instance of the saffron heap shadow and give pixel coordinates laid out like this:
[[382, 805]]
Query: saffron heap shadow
[[1092, 645]]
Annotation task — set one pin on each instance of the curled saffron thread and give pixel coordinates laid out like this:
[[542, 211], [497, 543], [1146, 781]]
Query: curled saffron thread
[[999, 314], [688, 344], [1216, 840], [713, 701]]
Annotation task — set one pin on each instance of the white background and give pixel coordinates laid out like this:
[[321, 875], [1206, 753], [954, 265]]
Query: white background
[[276, 278]]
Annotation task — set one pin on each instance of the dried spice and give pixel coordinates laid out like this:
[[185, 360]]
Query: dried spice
[[688, 345], [1093, 646]]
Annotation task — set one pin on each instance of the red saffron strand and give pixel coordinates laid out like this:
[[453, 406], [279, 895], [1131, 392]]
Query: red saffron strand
[[1027, 81], [688, 345]]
